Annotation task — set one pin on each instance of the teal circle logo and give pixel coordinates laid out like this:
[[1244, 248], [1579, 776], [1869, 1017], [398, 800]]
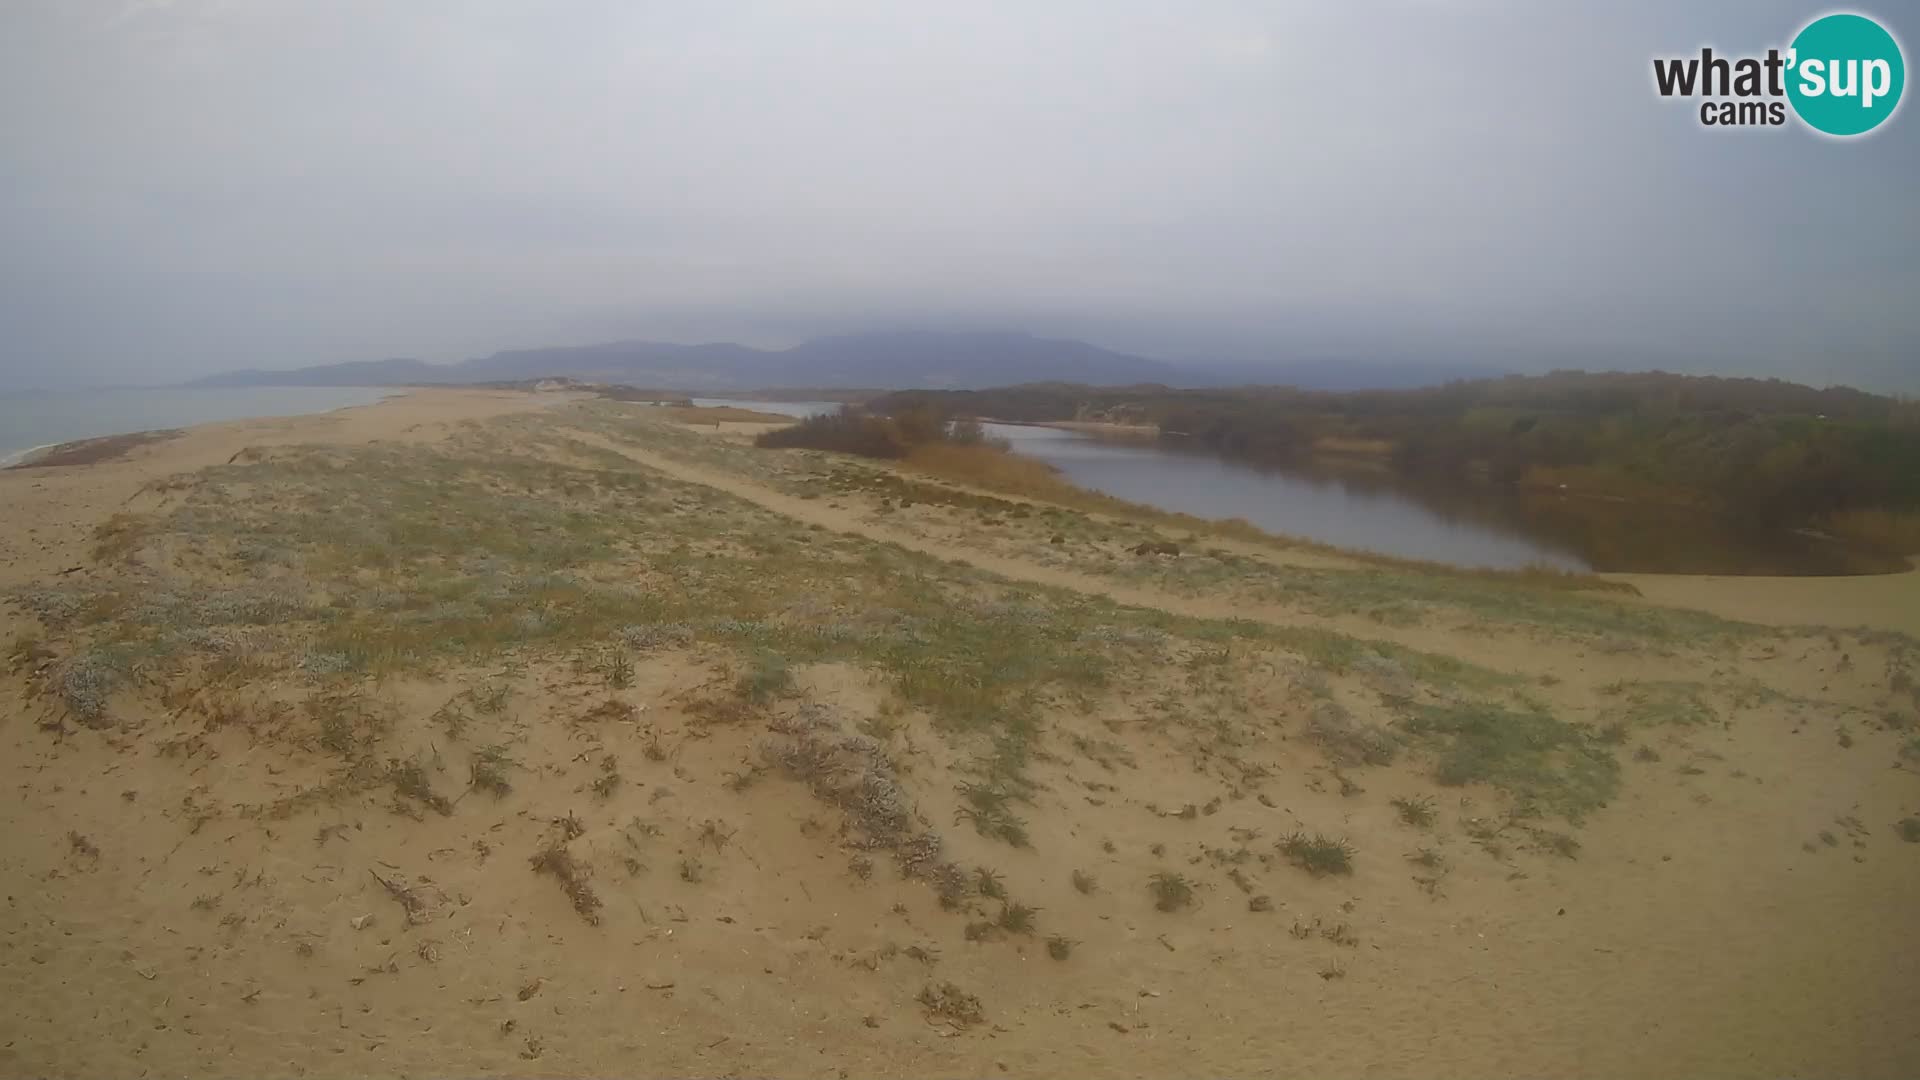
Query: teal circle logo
[[1845, 74]]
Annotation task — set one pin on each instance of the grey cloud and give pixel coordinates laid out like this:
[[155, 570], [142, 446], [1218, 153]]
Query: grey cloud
[[192, 186]]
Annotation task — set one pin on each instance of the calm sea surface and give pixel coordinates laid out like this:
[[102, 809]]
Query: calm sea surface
[[32, 420]]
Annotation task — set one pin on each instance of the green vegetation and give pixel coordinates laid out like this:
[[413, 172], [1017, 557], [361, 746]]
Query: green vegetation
[[852, 430], [1171, 892], [1417, 812], [1317, 854], [1389, 591], [1545, 763], [1016, 918], [487, 770], [1653, 704], [518, 543], [989, 884], [1762, 451], [766, 678], [556, 861]]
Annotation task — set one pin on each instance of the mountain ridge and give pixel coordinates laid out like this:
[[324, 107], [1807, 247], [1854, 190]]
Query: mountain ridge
[[902, 359]]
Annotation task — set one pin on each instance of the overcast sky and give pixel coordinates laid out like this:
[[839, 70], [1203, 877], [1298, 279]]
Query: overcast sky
[[198, 185]]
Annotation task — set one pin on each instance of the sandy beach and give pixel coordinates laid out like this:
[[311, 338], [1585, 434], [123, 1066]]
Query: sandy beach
[[501, 733]]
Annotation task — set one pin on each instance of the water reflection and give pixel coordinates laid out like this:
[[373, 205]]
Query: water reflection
[[1363, 505]]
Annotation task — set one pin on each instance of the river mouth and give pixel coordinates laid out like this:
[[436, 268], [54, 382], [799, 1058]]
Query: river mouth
[[1359, 504]]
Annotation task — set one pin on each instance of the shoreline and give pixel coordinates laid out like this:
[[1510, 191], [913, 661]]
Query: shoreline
[[141, 425], [23, 457]]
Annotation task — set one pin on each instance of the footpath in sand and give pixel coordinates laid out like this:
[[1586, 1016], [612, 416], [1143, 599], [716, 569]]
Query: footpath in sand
[[509, 734]]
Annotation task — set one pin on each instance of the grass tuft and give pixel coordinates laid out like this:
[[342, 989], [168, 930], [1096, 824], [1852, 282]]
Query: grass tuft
[[487, 771], [989, 884], [1171, 892], [1418, 813], [1318, 854], [554, 859], [766, 678], [1016, 918], [409, 779]]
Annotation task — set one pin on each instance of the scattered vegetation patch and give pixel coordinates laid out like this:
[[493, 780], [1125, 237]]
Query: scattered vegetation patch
[[1016, 918], [487, 770], [1349, 741], [557, 861], [1417, 812], [1543, 762], [1557, 843], [609, 779], [1171, 892], [766, 678], [409, 779], [1655, 704], [87, 681], [990, 884], [852, 771], [1317, 854], [986, 807], [950, 1003]]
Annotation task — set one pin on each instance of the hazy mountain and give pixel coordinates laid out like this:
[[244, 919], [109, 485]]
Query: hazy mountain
[[901, 360], [357, 373], [906, 360]]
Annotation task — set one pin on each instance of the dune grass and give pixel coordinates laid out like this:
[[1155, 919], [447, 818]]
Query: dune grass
[[1546, 764], [389, 560]]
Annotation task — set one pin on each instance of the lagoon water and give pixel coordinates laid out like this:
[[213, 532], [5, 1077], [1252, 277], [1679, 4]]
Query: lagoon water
[[35, 419], [1362, 505], [1365, 506], [1345, 511]]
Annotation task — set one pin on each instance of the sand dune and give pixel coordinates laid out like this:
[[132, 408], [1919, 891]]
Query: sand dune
[[486, 732]]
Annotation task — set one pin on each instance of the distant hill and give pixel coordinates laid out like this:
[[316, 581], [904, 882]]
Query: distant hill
[[895, 360], [356, 373], [899, 360]]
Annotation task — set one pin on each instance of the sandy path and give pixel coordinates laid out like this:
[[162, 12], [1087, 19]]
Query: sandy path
[[1881, 601], [1501, 651], [815, 512]]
